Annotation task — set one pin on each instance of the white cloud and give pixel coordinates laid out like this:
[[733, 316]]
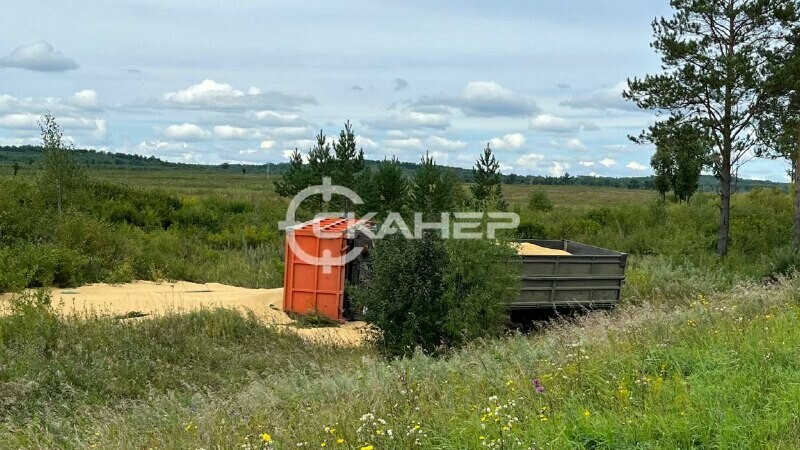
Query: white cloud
[[19, 141], [228, 132], [404, 144], [602, 99], [100, 131], [574, 144], [511, 141], [279, 119], [266, 145], [483, 99], [530, 160], [38, 56], [287, 154], [408, 119], [558, 169], [548, 123], [586, 163], [290, 132], [211, 95], [608, 162], [187, 132], [20, 121], [303, 143], [440, 143], [170, 151], [85, 99], [633, 165], [365, 142]]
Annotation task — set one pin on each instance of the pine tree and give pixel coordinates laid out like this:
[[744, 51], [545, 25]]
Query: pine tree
[[296, 178], [384, 190], [433, 190], [487, 192], [713, 53], [347, 162], [320, 160]]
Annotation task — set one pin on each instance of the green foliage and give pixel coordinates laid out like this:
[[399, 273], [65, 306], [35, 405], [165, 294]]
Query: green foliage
[[343, 167], [539, 201], [384, 190], [487, 192], [101, 361], [720, 87], [681, 153], [706, 367], [61, 176], [436, 295], [295, 179], [348, 160], [117, 233], [433, 190]]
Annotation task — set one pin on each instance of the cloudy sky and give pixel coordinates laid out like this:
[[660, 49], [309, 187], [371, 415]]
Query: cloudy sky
[[248, 81]]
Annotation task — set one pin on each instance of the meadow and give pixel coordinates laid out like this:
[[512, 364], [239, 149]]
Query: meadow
[[702, 353]]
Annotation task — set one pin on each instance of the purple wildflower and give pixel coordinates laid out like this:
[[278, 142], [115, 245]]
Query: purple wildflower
[[537, 384]]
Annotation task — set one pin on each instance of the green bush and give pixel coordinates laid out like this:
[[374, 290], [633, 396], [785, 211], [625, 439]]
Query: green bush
[[531, 230], [539, 201], [781, 262], [435, 295]]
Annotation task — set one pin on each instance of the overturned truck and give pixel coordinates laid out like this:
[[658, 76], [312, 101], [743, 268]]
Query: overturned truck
[[556, 274]]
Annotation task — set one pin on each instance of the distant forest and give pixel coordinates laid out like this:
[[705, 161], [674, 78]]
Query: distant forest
[[29, 155]]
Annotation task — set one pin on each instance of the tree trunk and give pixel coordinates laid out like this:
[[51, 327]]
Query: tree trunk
[[796, 179], [724, 204]]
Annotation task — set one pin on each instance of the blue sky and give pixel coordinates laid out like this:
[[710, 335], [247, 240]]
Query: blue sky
[[245, 81]]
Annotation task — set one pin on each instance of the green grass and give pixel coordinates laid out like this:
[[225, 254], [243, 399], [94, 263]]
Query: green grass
[[578, 196], [720, 372], [701, 355]]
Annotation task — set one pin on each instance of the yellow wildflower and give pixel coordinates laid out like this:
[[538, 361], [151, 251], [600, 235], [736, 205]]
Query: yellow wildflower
[[266, 437], [586, 413]]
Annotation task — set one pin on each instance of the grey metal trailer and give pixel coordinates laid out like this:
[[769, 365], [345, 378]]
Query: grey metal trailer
[[589, 277]]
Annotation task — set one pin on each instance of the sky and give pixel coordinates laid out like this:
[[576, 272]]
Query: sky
[[203, 81]]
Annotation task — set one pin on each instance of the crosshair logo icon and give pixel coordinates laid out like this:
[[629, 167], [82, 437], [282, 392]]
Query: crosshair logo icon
[[327, 259]]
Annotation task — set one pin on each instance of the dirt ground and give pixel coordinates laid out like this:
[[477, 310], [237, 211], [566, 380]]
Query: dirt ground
[[151, 298]]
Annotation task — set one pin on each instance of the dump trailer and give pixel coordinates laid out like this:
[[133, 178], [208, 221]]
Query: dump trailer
[[563, 274]]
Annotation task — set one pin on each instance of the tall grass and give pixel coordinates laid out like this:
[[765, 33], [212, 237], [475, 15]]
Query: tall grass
[[720, 371]]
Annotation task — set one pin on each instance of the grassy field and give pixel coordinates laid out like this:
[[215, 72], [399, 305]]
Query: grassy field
[[580, 196], [720, 372], [701, 354]]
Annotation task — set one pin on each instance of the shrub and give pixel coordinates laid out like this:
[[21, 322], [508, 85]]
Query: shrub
[[782, 261], [539, 201], [531, 230], [433, 295]]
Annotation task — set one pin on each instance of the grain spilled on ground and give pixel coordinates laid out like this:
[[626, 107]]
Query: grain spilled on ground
[[152, 299]]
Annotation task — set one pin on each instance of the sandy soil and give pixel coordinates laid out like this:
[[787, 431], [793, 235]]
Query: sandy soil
[[528, 249], [159, 298]]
